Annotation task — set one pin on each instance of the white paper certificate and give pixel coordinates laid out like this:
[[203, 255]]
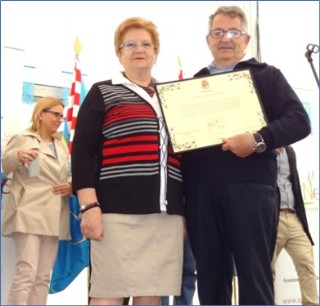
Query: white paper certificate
[[199, 112]]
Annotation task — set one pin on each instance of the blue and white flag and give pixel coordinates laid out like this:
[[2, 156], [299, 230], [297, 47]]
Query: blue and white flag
[[73, 255]]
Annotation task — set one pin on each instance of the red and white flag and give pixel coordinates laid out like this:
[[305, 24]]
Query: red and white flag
[[73, 255], [74, 101], [180, 76]]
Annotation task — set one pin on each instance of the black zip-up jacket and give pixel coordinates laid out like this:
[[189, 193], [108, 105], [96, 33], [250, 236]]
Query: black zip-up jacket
[[296, 188], [288, 122]]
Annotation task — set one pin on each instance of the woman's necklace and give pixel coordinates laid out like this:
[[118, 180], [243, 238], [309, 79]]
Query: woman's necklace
[[149, 88]]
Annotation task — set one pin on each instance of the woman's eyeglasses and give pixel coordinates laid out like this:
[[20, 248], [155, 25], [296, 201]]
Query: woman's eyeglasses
[[56, 114], [132, 45]]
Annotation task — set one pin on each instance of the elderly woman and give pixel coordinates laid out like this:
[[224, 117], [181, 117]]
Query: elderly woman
[[37, 212], [127, 180]]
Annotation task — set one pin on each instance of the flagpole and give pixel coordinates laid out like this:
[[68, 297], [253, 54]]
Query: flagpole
[[73, 255], [77, 48], [76, 104], [75, 93]]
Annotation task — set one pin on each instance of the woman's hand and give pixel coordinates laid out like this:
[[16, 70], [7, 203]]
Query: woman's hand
[[91, 224], [63, 189], [26, 156]]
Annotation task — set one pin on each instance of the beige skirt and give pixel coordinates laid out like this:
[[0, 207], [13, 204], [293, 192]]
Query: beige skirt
[[139, 255]]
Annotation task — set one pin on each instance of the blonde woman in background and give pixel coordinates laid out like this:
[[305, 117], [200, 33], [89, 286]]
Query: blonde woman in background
[[37, 212]]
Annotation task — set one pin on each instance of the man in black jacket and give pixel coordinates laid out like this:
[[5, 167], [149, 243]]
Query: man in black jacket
[[232, 201], [293, 231]]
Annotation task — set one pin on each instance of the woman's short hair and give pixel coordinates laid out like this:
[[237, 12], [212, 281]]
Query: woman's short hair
[[136, 23], [44, 103]]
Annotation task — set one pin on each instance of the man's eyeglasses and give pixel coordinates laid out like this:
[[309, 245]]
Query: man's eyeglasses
[[56, 114], [132, 45], [230, 33]]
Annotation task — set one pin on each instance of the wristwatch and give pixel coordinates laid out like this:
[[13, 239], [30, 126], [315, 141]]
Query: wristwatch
[[260, 145]]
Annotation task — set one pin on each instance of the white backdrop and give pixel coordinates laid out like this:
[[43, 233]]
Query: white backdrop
[[286, 29], [47, 35], [49, 29]]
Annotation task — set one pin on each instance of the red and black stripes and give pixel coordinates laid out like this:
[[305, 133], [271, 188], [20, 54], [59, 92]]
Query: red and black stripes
[[132, 140]]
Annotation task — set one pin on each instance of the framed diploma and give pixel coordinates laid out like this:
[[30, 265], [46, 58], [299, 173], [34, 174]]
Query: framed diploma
[[199, 112]]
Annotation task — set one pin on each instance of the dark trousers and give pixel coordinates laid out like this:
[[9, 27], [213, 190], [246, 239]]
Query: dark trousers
[[233, 221]]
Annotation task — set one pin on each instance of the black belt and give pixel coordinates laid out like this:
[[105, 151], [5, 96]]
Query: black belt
[[287, 210]]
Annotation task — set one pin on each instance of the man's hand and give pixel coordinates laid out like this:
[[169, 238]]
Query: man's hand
[[241, 145]]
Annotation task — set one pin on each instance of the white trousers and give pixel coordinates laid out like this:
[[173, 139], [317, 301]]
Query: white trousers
[[35, 257], [294, 240]]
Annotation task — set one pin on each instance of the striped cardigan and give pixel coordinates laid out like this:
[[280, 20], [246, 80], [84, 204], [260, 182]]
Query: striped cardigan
[[116, 149]]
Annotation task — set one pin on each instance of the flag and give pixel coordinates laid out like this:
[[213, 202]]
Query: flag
[[73, 255], [73, 105], [4, 180], [180, 76]]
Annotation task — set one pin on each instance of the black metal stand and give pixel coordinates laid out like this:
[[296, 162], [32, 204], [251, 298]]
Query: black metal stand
[[311, 48]]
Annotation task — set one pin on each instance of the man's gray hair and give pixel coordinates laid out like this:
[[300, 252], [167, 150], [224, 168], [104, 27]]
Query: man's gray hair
[[232, 11]]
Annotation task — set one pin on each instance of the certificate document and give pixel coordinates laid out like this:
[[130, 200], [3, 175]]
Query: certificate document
[[199, 112]]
